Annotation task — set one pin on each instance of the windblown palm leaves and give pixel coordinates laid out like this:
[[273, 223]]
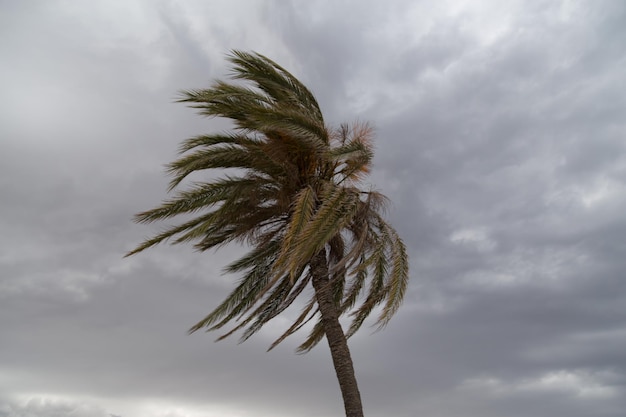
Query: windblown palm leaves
[[293, 192]]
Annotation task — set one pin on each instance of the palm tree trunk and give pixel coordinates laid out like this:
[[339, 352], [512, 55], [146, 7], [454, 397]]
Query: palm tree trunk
[[335, 336]]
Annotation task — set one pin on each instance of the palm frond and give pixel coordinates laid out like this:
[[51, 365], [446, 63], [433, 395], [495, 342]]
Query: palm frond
[[304, 205], [168, 233], [225, 156], [398, 279], [242, 298], [297, 324], [274, 80], [207, 141], [315, 336], [338, 206]]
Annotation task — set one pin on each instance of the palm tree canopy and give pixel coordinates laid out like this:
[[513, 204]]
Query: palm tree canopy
[[294, 191]]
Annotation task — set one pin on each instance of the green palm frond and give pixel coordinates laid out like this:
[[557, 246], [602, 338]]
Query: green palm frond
[[200, 196], [167, 234], [297, 324], [388, 279], [275, 81], [337, 208], [217, 139], [241, 299], [304, 205], [314, 337], [250, 158], [397, 280]]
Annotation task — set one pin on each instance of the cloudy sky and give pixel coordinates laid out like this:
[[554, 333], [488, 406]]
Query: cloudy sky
[[500, 140]]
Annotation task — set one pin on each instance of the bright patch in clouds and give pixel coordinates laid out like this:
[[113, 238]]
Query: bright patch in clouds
[[478, 238], [486, 20], [577, 383], [52, 405], [602, 191]]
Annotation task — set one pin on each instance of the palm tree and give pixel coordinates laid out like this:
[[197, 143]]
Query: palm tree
[[293, 197]]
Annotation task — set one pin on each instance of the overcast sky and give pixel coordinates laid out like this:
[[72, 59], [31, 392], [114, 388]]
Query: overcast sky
[[500, 139]]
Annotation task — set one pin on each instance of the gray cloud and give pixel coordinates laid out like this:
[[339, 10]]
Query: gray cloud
[[499, 141]]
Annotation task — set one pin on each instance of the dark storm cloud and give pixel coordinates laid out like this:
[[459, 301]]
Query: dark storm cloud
[[501, 151], [499, 141]]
